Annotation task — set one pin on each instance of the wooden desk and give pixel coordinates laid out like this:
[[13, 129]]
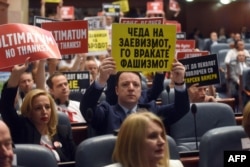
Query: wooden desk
[[79, 133], [192, 161], [229, 101]]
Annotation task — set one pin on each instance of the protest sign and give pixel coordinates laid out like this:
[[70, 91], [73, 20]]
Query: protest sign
[[185, 45], [78, 81], [124, 5], [111, 9], [96, 22], [185, 55], [98, 42], [203, 70], [71, 36], [140, 47], [20, 41], [153, 20], [68, 12], [38, 20], [52, 1]]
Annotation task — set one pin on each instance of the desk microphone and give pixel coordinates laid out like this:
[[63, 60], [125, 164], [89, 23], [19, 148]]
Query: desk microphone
[[194, 111], [168, 91]]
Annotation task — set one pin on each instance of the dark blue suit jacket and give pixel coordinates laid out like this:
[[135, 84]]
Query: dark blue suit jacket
[[105, 118]]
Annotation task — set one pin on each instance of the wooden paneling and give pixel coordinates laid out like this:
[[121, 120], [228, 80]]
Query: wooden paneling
[[3, 11]]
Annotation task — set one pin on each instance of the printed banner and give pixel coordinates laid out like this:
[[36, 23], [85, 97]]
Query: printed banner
[[155, 7], [203, 70], [153, 20], [19, 41], [78, 81], [71, 36], [140, 47]]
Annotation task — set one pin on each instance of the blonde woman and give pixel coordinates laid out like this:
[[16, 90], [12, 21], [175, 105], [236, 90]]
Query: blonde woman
[[38, 122], [142, 142]]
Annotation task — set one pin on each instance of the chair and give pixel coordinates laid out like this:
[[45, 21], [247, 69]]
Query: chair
[[244, 90], [167, 98], [97, 151], [33, 155], [208, 116], [214, 142], [216, 48]]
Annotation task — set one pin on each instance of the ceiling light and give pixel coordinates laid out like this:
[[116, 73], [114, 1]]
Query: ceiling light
[[225, 2]]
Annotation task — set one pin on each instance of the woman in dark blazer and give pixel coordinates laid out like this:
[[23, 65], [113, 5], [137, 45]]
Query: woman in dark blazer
[[38, 122]]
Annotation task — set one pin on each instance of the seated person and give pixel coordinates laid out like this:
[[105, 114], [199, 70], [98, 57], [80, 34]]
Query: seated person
[[142, 142], [246, 119], [105, 118], [199, 94], [38, 122], [6, 151], [59, 89]]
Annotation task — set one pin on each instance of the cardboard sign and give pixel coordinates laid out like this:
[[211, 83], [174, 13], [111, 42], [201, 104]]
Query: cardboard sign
[[124, 5], [52, 1], [181, 36], [20, 41], [68, 12], [38, 20], [71, 36], [153, 20], [203, 70], [173, 22], [98, 42], [111, 9], [96, 22], [186, 55], [185, 45], [143, 47], [155, 7], [78, 81]]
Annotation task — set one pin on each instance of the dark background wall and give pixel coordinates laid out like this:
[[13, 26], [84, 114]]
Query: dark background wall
[[207, 15]]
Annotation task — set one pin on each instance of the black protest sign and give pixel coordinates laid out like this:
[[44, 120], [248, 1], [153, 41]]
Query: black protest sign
[[78, 81], [38, 20], [203, 70]]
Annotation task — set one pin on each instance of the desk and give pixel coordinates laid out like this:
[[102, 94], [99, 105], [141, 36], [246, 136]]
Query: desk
[[79, 133], [192, 161], [229, 101]]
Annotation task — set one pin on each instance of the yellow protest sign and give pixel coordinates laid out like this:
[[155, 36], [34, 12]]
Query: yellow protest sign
[[52, 1], [98, 40], [123, 5], [143, 47]]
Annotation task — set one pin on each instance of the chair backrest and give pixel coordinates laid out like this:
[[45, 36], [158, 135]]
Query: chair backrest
[[63, 119], [217, 47], [33, 155], [167, 98], [97, 151], [208, 116], [214, 142]]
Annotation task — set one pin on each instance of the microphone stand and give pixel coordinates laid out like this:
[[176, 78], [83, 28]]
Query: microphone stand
[[194, 111]]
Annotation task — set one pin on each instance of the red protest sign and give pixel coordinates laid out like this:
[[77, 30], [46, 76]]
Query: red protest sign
[[155, 7], [19, 41], [67, 12], [71, 36], [185, 45], [186, 55], [152, 20]]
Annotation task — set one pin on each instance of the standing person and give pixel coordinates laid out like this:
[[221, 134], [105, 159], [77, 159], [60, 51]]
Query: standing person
[[6, 150], [105, 118], [142, 142], [59, 89], [38, 122]]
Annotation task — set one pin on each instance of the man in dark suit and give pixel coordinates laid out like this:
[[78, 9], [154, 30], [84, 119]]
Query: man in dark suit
[[104, 118]]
